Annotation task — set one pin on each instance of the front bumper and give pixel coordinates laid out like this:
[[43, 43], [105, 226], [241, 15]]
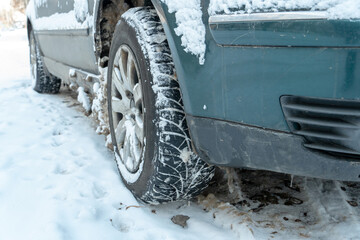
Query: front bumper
[[229, 144]]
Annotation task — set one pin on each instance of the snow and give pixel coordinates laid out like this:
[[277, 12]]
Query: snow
[[130, 177], [191, 28], [61, 21], [40, 3], [74, 19], [4, 5], [83, 98], [81, 9], [336, 9], [72, 73], [59, 181], [185, 155], [98, 111], [30, 10]]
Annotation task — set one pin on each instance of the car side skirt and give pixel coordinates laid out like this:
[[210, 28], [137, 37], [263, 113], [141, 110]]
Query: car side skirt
[[71, 75]]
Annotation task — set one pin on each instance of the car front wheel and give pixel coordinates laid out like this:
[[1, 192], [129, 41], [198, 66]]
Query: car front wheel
[[150, 136]]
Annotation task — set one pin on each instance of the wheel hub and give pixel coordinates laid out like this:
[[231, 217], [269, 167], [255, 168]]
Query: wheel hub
[[127, 109]]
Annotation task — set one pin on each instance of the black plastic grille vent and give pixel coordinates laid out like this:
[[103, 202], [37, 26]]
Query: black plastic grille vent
[[328, 125]]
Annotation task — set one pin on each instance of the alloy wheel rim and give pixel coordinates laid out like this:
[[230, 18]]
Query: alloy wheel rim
[[127, 109]]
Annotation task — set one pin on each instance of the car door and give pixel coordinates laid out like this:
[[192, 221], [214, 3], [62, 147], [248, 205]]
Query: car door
[[64, 32]]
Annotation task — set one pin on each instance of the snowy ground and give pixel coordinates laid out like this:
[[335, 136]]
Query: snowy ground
[[59, 181], [274, 206]]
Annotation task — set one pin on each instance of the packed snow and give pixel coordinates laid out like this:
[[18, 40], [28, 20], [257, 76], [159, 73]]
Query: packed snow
[[99, 106], [61, 21]]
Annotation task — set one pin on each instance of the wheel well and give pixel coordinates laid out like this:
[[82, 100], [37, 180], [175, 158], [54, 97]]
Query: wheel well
[[109, 13]]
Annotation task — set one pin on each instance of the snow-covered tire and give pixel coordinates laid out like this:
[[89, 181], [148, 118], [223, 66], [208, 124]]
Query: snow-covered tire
[[42, 82], [169, 169]]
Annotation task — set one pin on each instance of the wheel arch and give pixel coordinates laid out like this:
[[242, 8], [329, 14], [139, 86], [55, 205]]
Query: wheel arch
[[159, 7], [105, 23], [103, 39]]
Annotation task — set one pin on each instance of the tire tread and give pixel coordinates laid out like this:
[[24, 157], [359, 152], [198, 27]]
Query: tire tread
[[176, 178]]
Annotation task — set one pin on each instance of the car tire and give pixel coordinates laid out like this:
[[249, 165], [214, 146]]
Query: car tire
[[165, 168], [42, 82]]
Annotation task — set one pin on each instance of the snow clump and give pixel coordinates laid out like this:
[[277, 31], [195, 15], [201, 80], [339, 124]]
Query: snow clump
[[81, 9], [99, 106], [191, 28], [83, 98]]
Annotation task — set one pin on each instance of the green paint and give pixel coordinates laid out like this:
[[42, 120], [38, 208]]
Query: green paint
[[243, 83]]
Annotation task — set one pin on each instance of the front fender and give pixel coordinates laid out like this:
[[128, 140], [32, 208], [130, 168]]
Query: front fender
[[186, 64]]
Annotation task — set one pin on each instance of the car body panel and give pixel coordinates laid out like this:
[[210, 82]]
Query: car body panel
[[232, 101], [243, 83], [51, 7], [74, 46], [230, 144], [287, 33]]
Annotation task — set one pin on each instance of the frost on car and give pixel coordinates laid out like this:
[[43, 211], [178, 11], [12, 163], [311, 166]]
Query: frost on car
[[182, 86]]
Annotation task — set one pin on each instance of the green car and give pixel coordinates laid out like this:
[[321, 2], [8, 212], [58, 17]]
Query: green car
[[197, 84]]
